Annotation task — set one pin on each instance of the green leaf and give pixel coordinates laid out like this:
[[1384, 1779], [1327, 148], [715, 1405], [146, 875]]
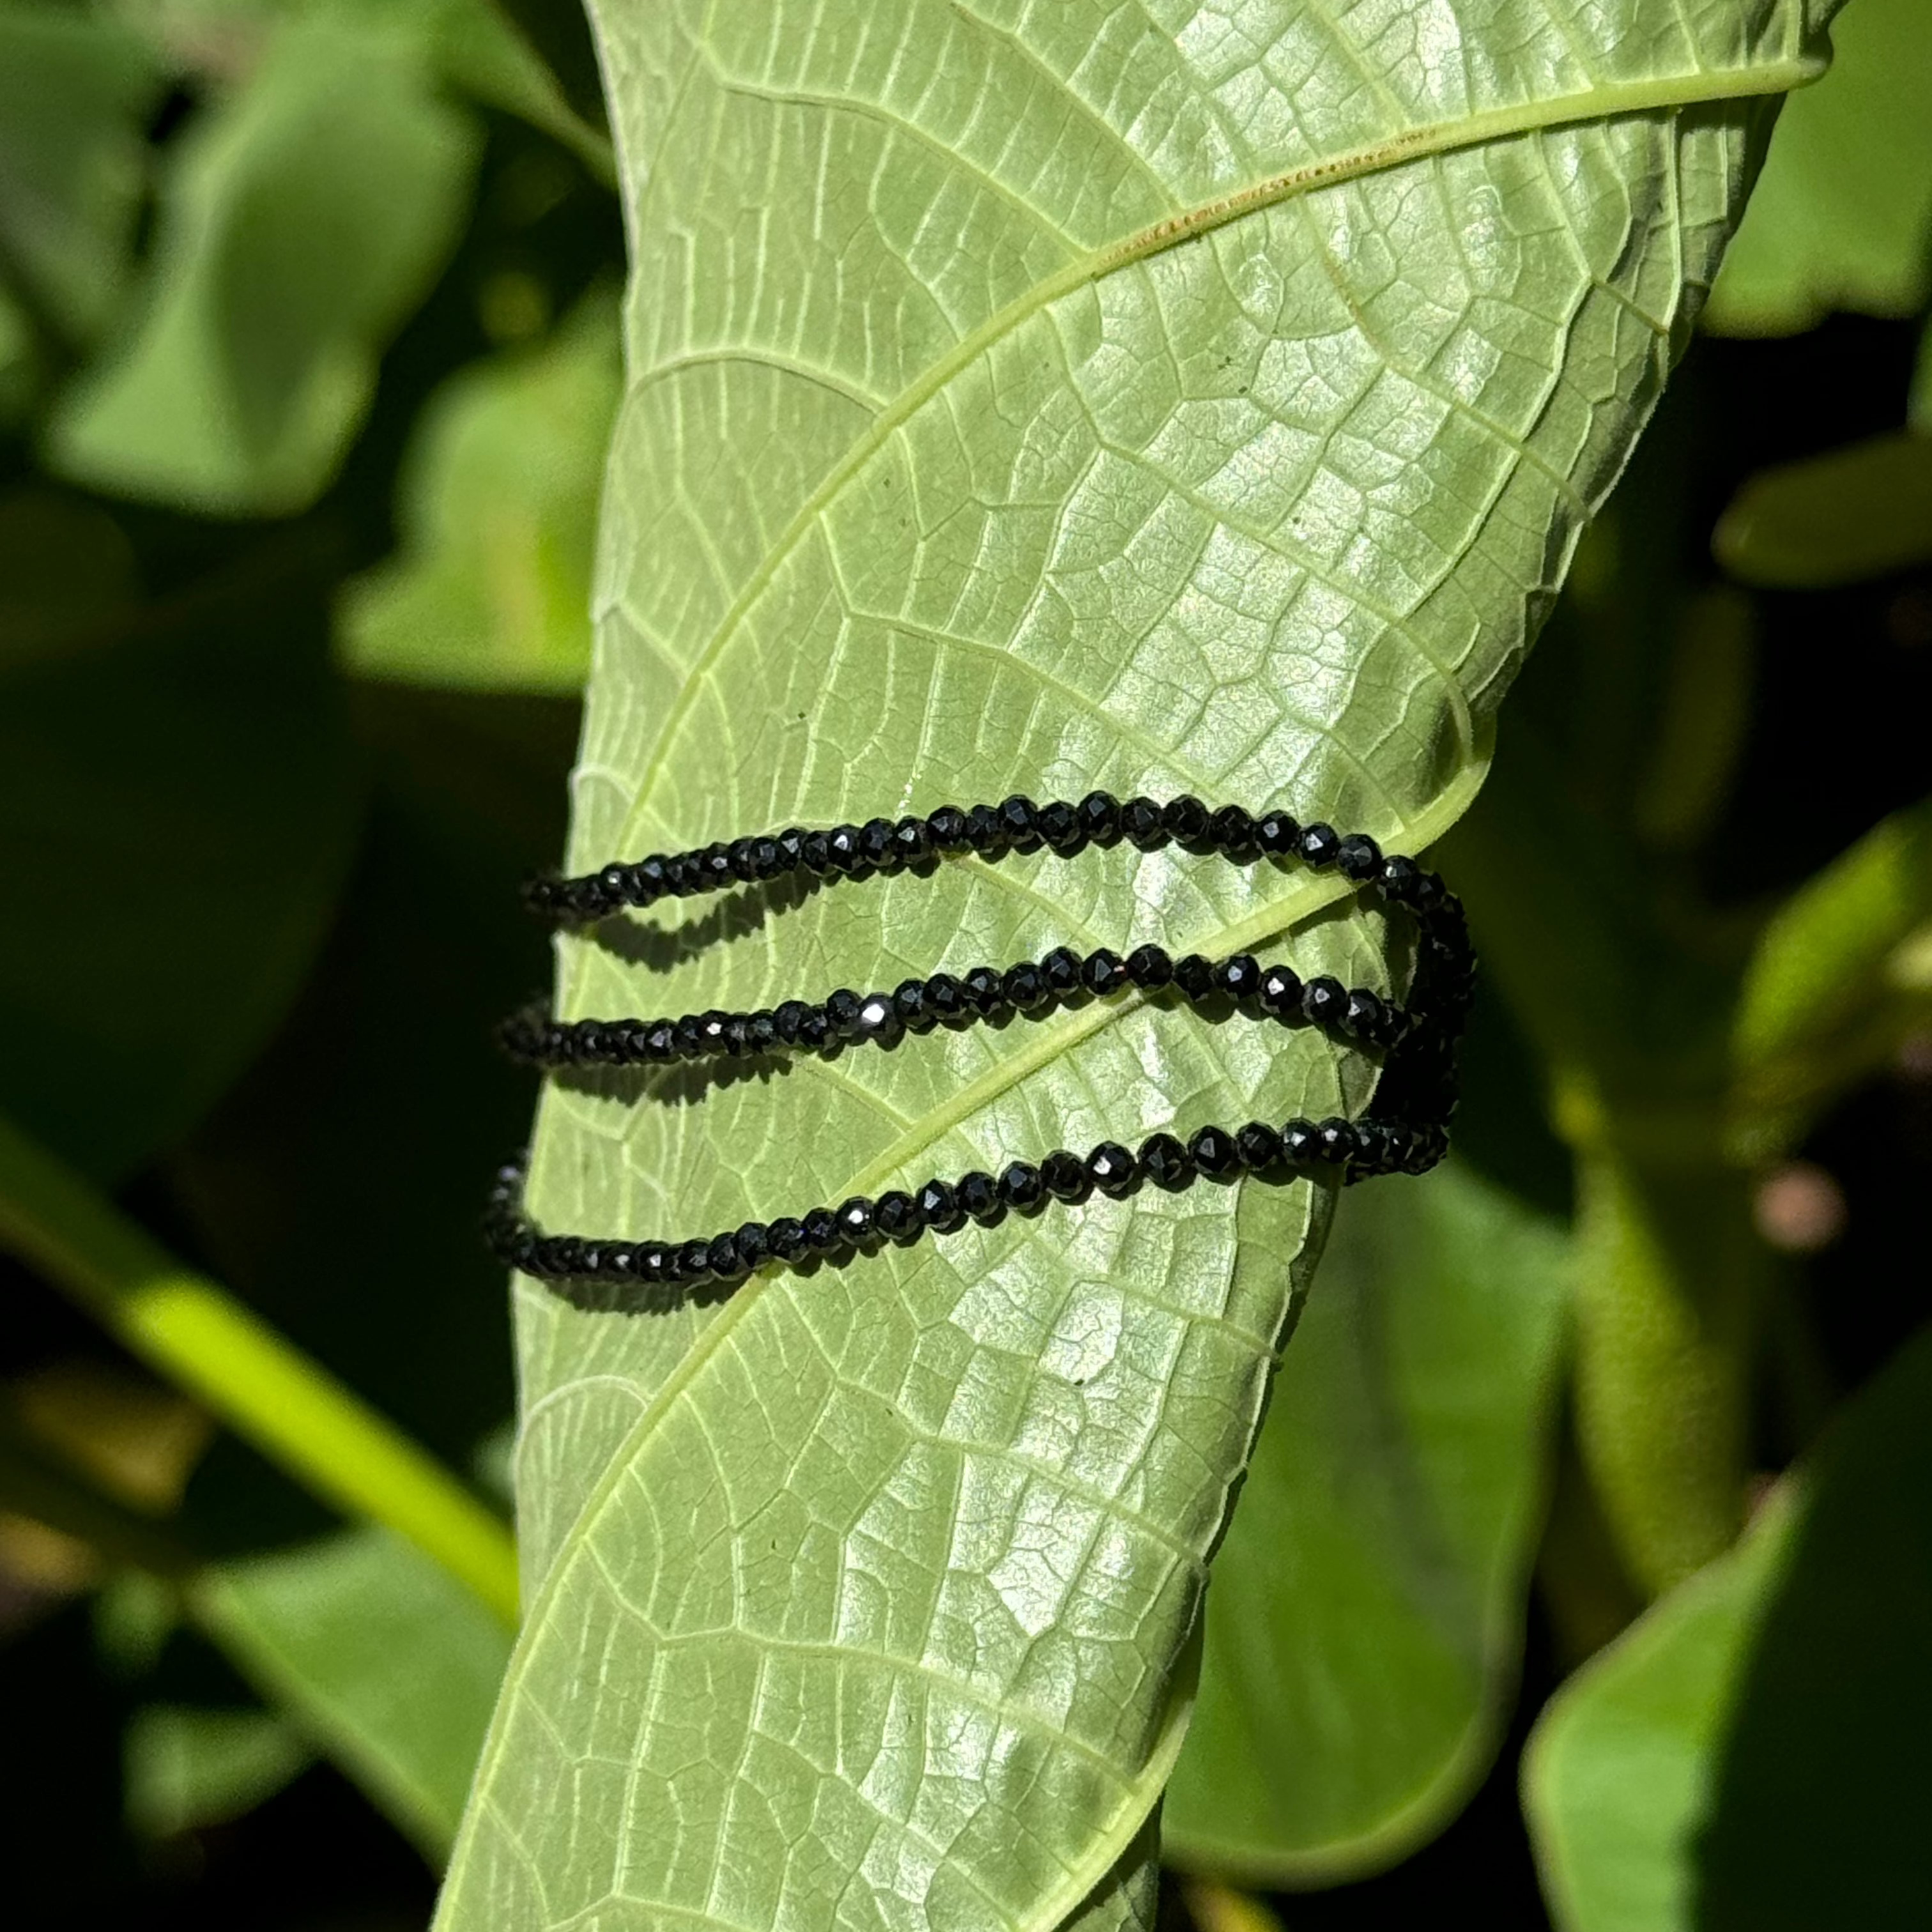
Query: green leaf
[[185, 1767], [301, 221], [1842, 217], [382, 1659], [1040, 397], [75, 91], [1748, 1754], [492, 589], [1856, 513], [1365, 1622]]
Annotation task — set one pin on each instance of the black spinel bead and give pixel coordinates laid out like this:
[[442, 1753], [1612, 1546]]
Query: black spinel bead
[[909, 1003], [856, 1221], [842, 1007], [1150, 967], [1335, 1138], [714, 1030], [1365, 1017], [1143, 823], [761, 1032], [1166, 1162], [1323, 1001], [717, 865], [814, 852], [726, 1263], [1100, 817], [875, 841], [789, 1018], [645, 884], [986, 833], [815, 1030], [1059, 823], [1019, 821], [767, 861], [679, 878], [1194, 976], [1319, 844], [1259, 1147], [1064, 1176], [745, 859], [1111, 1169], [694, 1261], [947, 826], [1374, 1146], [945, 998], [656, 1263], [1397, 878], [1213, 1151], [590, 1262], [896, 1216], [1023, 985], [1280, 992], [1234, 832], [1021, 1185], [1103, 972], [613, 881], [1060, 969], [1359, 857], [912, 843], [592, 1040], [821, 1230], [939, 1208], [978, 1194], [787, 1237], [738, 1035], [1239, 976], [1186, 819], [1299, 1146], [986, 990], [877, 1020], [848, 854], [689, 1033], [790, 843], [755, 1245]]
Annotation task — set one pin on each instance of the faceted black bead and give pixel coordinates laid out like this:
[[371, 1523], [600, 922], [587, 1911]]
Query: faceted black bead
[[587, 1040], [1111, 1169], [1021, 1185], [590, 1261], [689, 1031], [655, 1262], [744, 860], [766, 862], [984, 832], [736, 1039], [647, 882], [1194, 976], [787, 1237], [1234, 832], [1103, 972], [1358, 857], [1365, 1016], [815, 851], [1166, 1162], [855, 1220], [660, 1040], [761, 1033], [726, 1262], [1213, 1151], [986, 989], [790, 843], [693, 1260], [939, 1208], [912, 843], [1186, 818], [713, 1030], [1335, 1138], [716, 864], [875, 841], [681, 874], [847, 853], [1258, 1145], [1239, 976], [1397, 878], [945, 998], [1060, 969], [612, 881], [978, 1195], [947, 826], [1319, 844], [896, 1216], [1280, 992], [815, 1030], [1064, 1175], [821, 1230], [1144, 824], [1023, 985], [878, 1019], [841, 1009], [1323, 1001], [1374, 1148], [1299, 1146], [1100, 817], [1150, 967], [1018, 820], [562, 1255], [909, 1003], [1059, 824]]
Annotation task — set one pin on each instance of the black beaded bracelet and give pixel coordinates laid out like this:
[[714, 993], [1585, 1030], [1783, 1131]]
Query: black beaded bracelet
[[1407, 1132]]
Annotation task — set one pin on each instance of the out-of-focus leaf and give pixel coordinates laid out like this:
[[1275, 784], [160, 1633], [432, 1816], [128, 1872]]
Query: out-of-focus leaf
[[1042, 397], [175, 820], [185, 1767], [492, 589], [1842, 216], [1862, 511], [1835, 983], [1750, 1756], [67, 575], [485, 49], [301, 221], [1704, 723], [1365, 1617], [76, 89], [379, 1656]]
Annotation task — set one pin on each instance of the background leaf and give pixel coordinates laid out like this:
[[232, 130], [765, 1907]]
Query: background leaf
[[1216, 414]]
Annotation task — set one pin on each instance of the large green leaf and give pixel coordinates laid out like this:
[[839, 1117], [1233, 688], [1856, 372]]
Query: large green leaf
[[1046, 396], [1365, 1624]]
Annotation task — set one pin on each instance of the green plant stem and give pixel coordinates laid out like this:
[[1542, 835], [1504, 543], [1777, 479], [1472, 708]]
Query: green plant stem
[[264, 1389]]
